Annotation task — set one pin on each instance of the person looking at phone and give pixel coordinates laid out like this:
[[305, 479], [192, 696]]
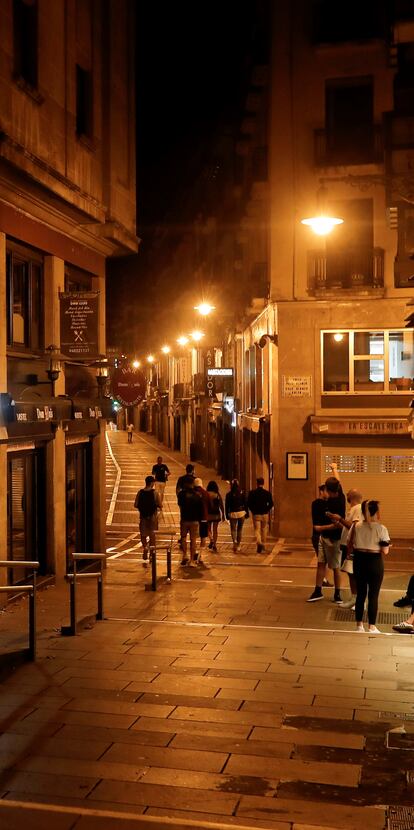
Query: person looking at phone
[[329, 550]]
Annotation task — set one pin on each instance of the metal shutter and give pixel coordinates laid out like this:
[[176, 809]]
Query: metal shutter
[[379, 474]]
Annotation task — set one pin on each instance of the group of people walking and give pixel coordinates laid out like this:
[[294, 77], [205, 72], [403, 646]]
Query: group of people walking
[[352, 540], [201, 511]]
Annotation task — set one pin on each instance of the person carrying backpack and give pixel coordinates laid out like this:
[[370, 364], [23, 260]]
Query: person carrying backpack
[[215, 513], [191, 514], [147, 502]]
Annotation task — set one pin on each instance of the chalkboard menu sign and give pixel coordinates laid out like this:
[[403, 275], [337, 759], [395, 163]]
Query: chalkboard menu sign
[[79, 323]]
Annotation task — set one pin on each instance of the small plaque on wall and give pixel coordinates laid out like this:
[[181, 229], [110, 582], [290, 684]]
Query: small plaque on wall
[[297, 386], [297, 466]]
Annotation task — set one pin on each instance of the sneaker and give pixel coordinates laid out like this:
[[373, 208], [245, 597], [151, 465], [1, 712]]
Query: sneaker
[[184, 561], [337, 598], [404, 628], [193, 563], [349, 604], [214, 548], [373, 630], [327, 584], [145, 555], [360, 628], [317, 594], [210, 546], [403, 602], [238, 547]]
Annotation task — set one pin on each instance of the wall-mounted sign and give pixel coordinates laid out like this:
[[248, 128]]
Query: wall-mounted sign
[[218, 371], [79, 323], [297, 386], [209, 360], [297, 466], [128, 386], [359, 426]]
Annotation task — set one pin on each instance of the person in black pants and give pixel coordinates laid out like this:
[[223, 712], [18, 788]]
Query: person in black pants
[[408, 598], [371, 541], [407, 626]]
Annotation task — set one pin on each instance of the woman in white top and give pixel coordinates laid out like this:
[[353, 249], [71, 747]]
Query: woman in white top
[[371, 540]]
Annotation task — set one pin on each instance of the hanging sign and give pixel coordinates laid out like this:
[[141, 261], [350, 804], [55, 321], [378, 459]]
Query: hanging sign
[[79, 323], [128, 386], [209, 361]]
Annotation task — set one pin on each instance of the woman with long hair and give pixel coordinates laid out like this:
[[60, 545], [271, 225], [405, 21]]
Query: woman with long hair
[[371, 541], [236, 512], [215, 513]]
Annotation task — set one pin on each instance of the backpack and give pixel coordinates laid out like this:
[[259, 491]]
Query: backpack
[[213, 504], [146, 504]]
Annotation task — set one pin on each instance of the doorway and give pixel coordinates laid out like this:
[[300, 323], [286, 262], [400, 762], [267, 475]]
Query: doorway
[[79, 499], [26, 517]]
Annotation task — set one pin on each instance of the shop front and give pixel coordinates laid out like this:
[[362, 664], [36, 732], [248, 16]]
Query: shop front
[[376, 456]]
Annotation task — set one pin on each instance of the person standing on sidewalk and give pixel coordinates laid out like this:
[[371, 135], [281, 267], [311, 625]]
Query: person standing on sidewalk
[[191, 514], [260, 503], [160, 472], [371, 543], [147, 502], [189, 472], [329, 551], [130, 429], [236, 512], [215, 513], [203, 529], [353, 515], [318, 508]]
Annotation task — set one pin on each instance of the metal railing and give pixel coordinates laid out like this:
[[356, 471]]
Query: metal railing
[[368, 149], [354, 269], [29, 589], [73, 578], [164, 540]]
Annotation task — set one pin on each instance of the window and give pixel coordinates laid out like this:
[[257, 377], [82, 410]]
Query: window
[[25, 41], [349, 120], [24, 300], [77, 280], [83, 102], [366, 362]]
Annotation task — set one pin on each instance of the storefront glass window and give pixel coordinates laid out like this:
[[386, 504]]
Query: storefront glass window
[[361, 362]]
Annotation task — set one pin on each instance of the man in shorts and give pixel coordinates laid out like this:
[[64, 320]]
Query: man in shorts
[[329, 548]]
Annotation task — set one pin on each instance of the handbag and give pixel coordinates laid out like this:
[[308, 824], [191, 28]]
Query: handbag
[[237, 514], [348, 565]]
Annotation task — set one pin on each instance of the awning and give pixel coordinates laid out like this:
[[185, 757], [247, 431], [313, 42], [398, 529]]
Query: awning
[[251, 422]]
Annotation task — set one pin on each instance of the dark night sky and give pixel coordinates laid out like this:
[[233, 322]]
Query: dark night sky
[[191, 72], [190, 76]]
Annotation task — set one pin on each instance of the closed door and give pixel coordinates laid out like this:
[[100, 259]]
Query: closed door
[[26, 510]]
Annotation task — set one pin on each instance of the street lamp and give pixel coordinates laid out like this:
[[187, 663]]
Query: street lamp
[[183, 340], [165, 349], [150, 358], [204, 309], [136, 364], [55, 363], [197, 335], [323, 222]]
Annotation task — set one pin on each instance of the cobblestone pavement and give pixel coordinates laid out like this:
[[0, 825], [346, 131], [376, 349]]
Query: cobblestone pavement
[[223, 699]]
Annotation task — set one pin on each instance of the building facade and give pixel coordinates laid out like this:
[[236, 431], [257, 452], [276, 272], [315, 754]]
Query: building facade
[[67, 203], [340, 365]]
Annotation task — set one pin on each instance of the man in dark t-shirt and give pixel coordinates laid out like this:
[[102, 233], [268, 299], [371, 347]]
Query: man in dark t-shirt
[[329, 550], [160, 472]]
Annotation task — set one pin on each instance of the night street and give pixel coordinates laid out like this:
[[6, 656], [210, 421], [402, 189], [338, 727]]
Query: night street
[[223, 697]]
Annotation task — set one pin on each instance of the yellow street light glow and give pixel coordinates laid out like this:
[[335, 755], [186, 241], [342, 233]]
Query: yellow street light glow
[[322, 225], [165, 349], [150, 358], [338, 337], [197, 335], [183, 340], [136, 364], [204, 308]]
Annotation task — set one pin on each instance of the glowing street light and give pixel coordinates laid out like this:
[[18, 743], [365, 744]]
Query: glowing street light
[[323, 223], [338, 337], [182, 341], [136, 364], [197, 335], [150, 358], [165, 349], [204, 309]]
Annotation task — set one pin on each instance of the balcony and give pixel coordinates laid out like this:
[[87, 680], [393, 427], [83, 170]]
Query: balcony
[[366, 148], [182, 390], [352, 270]]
